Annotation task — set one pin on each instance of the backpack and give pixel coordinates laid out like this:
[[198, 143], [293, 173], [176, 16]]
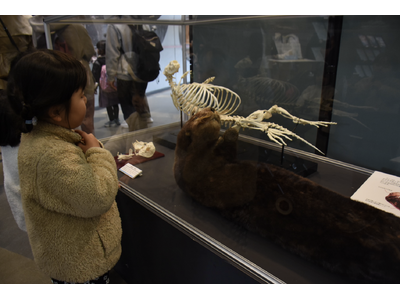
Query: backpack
[[103, 81], [147, 46]]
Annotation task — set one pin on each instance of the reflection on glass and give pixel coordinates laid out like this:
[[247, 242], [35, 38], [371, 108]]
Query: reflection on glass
[[96, 28], [282, 61], [370, 87], [267, 62]]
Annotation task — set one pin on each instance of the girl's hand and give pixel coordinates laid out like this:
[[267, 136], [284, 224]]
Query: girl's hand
[[88, 141]]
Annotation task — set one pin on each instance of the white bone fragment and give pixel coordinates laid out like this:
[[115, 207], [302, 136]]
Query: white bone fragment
[[125, 156], [144, 149]]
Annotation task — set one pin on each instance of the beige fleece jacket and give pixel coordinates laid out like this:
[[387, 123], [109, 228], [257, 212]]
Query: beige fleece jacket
[[68, 197]]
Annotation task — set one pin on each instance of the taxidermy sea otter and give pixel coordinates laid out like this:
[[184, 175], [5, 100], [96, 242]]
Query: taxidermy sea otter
[[342, 235]]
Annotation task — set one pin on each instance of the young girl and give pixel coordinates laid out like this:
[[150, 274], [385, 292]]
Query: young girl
[[68, 181]]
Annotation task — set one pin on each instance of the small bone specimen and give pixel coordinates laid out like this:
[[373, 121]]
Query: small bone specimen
[[190, 98], [141, 149], [144, 149], [125, 156]]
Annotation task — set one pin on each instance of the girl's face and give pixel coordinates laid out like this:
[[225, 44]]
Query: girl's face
[[77, 110]]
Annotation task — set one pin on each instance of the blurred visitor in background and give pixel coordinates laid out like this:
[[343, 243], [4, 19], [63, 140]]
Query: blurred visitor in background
[[131, 93], [108, 96]]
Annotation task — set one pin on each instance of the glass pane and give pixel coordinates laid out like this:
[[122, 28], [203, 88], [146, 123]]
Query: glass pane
[[366, 105], [94, 29], [258, 209], [268, 61]]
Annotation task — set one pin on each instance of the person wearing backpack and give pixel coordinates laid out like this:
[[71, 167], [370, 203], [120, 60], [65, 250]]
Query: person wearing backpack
[[131, 91], [108, 96]]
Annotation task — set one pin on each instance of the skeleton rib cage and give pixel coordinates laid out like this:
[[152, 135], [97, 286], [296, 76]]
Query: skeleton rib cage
[[190, 98], [193, 97]]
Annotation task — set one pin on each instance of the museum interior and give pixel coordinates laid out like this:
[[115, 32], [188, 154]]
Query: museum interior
[[268, 154]]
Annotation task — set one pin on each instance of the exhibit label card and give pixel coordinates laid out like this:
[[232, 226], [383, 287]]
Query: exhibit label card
[[131, 170], [382, 191]]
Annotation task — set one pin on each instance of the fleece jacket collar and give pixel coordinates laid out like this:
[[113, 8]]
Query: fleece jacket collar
[[60, 132]]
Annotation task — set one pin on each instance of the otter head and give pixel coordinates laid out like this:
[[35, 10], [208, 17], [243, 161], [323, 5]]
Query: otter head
[[201, 131]]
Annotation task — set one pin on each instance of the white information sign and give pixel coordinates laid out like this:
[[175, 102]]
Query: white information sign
[[131, 171], [382, 191]]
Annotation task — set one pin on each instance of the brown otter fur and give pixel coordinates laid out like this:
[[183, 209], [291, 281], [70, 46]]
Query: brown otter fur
[[318, 224]]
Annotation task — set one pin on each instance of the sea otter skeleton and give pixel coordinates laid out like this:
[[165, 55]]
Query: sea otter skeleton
[[190, 98]]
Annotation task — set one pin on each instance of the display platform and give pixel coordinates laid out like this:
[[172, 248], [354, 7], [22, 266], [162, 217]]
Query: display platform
[[256, 257]]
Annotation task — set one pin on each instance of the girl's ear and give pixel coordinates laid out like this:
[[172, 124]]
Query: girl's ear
[[55, 113]]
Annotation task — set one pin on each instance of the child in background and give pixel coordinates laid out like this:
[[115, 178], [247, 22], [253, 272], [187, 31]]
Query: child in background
[[107, 98], [68, 180]]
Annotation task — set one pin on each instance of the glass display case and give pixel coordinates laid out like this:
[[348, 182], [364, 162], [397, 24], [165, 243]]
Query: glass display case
[[340, 69]]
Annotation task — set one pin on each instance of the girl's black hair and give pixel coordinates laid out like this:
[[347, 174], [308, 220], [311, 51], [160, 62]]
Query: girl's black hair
[[10, 123], [41, 79]]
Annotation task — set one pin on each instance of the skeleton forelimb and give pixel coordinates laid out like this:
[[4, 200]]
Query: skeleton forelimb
[[283, 112], [275, 132]]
